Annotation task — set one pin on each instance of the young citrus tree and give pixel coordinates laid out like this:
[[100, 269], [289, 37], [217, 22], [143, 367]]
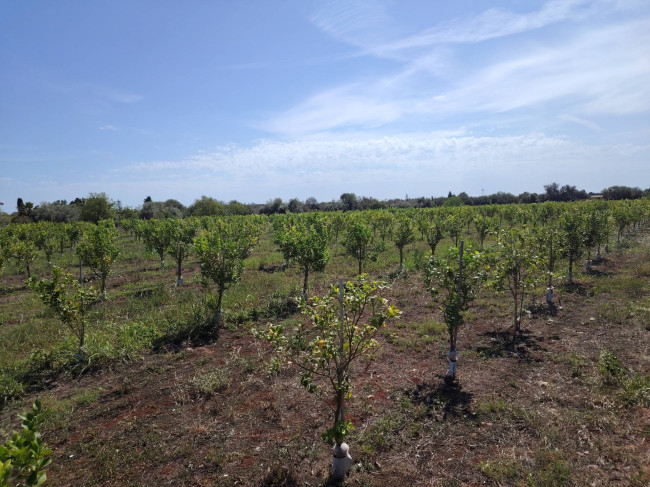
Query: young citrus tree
[[336, 221], [454, 280], [623, 217], [360, 243], [156, 236], [305, 242], [483, 225], [383, 222], [181, 238], [454, 225], [43, 235], [548, 240], [69, 301], [596, 230], [62, 237], [23, 251], [342, 327], [516, 267], [432, 228], [221, 251], [571, 223], [98, 250], [404, 234]]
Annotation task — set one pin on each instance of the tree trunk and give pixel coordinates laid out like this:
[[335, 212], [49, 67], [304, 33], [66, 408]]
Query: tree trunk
[[179, 269], [305, 283], [401, 257], [217, 314]]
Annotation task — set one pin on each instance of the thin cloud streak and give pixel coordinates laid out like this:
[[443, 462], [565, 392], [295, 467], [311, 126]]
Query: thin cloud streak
[[581, 121], [495, 23]]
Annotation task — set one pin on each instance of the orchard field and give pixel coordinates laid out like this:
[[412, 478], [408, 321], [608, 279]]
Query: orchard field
[[156, 347]]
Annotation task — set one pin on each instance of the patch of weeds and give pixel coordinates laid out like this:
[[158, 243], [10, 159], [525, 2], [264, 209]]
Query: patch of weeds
[[636, 390], [61, 412], [631, 390], [245, 364], [403, 423], [575, 362], [636, 287], [400, 343], [640, 479], [430, 331], [209, 383], [279, 306], [214, 460], [399, 273], [10, 388], [194, 327], [613, 313], [500, 470], [494, 407], [274, 367], [642, 314], [418, 260], [138, 335], [279, 477], [157, 369], [383, 433], [610, 368], [643, 270], [498, 409], [550, 470]]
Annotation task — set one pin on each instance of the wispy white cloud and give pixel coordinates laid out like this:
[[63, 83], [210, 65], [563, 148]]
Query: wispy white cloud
[[495, 23], [324, 166], [419, 160], [362, 23], [123, 96], [581, 121], [367, 25], [111, 128], [603, 71], [599, 70]]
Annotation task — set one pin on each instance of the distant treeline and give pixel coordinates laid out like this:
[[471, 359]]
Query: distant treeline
[[98, 206]]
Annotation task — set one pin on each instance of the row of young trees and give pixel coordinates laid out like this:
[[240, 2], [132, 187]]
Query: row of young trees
[[528, 242], [568, 231]]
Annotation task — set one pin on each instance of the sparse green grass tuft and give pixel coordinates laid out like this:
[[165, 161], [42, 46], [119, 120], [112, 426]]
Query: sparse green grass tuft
[[209, 383]]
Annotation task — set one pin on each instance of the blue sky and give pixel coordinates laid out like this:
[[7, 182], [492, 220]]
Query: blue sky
[[252, 100]]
